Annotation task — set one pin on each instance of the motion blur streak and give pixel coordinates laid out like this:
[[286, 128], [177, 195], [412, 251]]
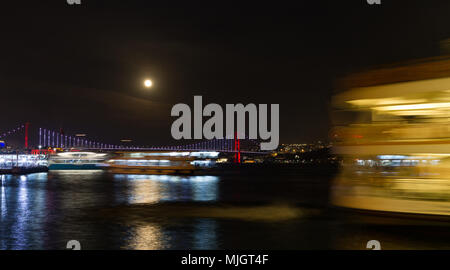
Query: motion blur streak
[[272, 213], [394, 138]]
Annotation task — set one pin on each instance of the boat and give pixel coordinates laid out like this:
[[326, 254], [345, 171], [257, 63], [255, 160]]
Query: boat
[[391, 130], [160, 162], [21, 163], [76, 161]]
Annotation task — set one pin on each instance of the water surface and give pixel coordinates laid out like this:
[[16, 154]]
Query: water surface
[[264, 211]]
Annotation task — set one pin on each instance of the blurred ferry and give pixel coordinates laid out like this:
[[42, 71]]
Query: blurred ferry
[[157, 162], [76, 161], [392, 130]]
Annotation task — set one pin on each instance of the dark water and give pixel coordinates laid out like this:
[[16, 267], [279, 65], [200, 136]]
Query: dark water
[[264, 211]]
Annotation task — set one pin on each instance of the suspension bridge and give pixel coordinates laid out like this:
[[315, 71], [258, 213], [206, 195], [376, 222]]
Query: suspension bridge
[[51, 139]]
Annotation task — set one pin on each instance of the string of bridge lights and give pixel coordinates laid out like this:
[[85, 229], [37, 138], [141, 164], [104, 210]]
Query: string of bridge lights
[[52, 138], [12, 131]]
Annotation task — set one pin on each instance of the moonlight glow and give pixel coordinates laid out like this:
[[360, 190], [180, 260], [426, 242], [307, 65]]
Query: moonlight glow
[[148, 83]]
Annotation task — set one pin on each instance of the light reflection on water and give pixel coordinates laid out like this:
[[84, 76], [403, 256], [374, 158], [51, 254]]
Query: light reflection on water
[[154, 236], [21, 207], [104, 211], [206, 235], [167, 188], [146, 237], [40, 211], [4, 211], [19, 228]]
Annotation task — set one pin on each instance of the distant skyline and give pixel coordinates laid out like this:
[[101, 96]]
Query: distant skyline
[[81, 68]]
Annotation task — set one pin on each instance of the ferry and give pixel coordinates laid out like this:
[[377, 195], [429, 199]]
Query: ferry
[[392, 132], [76, 161], [21, 163], [159, 162]]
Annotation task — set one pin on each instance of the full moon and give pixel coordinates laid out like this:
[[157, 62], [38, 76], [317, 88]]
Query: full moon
[[148, 83]]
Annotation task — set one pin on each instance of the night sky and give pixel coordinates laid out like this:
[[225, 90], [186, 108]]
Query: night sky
[[81, 68]]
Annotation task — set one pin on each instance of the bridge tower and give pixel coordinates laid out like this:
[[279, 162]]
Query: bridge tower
[[27, 124], [237, 149]]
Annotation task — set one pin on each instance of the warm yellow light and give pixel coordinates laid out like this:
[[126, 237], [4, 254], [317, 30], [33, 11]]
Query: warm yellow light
[[414, 107], [417, 112], [148, 83], [384, 101]]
